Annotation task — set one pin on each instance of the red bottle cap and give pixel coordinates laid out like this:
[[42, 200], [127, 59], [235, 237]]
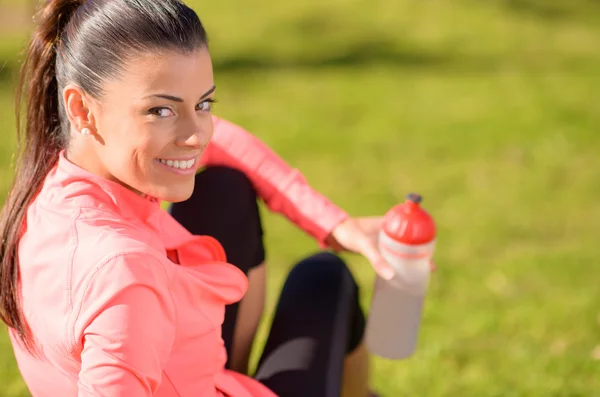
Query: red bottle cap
[[408, 223]]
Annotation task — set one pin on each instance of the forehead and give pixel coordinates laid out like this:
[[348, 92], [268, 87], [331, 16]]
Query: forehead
[[165, 71]]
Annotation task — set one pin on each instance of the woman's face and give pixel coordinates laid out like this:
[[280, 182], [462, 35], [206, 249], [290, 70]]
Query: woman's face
[[153, 122]]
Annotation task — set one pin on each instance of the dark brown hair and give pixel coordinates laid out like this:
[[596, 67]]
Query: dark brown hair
[[84, 43]]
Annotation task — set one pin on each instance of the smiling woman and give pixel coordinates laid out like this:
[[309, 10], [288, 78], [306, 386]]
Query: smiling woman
[[104, 293], [156, 111]]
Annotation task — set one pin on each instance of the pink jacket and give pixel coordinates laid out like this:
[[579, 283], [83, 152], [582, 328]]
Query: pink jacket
[[283, 189], [112, 315]]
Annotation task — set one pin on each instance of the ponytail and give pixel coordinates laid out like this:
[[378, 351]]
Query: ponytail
[[40, 139]]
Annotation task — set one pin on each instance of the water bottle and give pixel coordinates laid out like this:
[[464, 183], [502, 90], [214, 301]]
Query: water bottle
[[406, 242]]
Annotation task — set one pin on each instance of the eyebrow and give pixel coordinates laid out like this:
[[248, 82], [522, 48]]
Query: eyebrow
[[177, 99]]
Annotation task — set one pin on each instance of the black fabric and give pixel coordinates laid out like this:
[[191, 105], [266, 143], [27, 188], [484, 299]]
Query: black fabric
[[318, 319], [224, 206]]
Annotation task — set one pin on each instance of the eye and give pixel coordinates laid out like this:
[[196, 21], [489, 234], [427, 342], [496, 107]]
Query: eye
[[161, 112], [206, 105]]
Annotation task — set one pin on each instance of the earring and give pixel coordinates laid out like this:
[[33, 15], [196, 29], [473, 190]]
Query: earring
[[85, 131]]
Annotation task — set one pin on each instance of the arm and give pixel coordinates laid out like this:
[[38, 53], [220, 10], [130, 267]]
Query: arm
[[284, 189], [127, 327]]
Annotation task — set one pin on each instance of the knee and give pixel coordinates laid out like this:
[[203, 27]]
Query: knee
[[325, 276]]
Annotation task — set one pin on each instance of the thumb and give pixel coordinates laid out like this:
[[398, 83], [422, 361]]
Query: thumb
[[370, 251]]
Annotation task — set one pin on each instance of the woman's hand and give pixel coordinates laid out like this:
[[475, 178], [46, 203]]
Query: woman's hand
[[360, 235]]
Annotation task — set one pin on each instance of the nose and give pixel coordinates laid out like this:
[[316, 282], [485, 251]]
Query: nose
[[198, 133]]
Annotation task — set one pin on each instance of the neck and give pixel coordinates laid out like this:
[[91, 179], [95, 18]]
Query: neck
[[84, 156]]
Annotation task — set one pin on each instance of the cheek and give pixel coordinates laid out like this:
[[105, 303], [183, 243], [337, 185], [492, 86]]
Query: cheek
[[125, 132], [128, 144]]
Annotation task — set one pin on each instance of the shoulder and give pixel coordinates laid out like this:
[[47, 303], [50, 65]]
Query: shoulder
[[224, 127], [103, 238], [80, 236], [108, 233]]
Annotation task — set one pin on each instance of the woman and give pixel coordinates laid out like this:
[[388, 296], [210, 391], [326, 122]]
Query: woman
[[104, 293]]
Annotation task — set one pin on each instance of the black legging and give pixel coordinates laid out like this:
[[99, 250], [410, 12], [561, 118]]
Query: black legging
[[318, 319]]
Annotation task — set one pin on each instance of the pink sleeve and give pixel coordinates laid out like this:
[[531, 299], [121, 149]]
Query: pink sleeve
[[283, 189], [127, 329]]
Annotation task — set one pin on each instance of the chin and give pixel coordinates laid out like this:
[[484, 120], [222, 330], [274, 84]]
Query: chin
[[174, 193]]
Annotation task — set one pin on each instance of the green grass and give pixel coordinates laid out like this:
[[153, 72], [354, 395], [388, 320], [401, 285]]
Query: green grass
[[489, 109]]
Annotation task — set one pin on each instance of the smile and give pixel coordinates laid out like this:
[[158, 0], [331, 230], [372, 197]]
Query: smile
[[178, 164], [184, 167]]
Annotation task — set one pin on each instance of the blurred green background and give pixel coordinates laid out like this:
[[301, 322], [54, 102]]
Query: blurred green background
[[490, 109]]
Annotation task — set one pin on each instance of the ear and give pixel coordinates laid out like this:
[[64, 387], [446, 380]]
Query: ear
[[79, 106]]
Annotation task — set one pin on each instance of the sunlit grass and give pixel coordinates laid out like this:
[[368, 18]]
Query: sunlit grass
[[490, 110]]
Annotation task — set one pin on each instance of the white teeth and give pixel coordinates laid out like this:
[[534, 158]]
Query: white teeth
[[179, 164]]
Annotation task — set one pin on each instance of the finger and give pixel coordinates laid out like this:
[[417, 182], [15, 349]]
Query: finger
[[369, 251]]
